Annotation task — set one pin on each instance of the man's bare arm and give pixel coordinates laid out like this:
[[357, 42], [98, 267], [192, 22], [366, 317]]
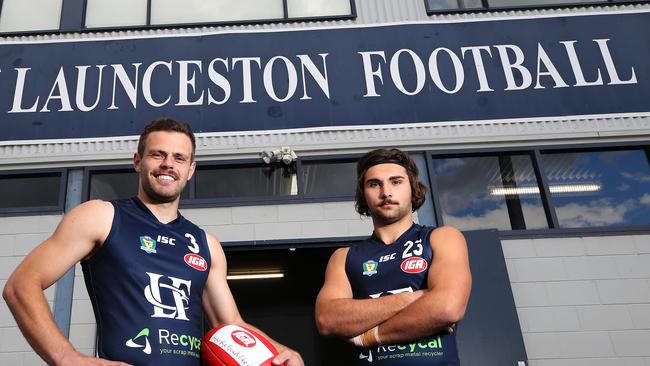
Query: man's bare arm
[[338, 314], [445, 301], [220, 308], [79, 233]]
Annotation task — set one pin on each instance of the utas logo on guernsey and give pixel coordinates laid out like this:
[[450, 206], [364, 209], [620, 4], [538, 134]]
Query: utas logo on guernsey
[[195, 261], [147, 244], [243, 338], [414, 265], [370, 267]]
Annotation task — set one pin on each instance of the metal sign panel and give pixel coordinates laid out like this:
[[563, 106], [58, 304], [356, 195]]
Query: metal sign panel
[[321, 78]]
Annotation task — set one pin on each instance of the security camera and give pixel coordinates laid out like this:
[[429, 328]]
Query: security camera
[[285, 154], [268, 156]]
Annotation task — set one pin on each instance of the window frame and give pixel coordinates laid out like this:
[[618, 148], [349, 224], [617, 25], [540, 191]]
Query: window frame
[[535, 151], [496, 152], [73, 19], [346, 158], [486, 7], [193, 202], [38, 210]]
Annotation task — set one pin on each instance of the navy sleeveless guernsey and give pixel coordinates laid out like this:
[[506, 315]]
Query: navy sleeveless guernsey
[[145, 284], [375, 269]]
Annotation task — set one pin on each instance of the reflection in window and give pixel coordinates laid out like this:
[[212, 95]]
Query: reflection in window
[[115, 13], [248, 181], [489, 192], [600, 188], [453, 4], [205, 11], [118, 184], [318, 8], [30, 190], [336, 178], [30, 15], [433, 5]]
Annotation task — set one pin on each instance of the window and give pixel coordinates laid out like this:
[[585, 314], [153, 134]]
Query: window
[[592, 187], [245, 181], [484, 192], [124, 13], [445, 5], [113, 184], [599, 188], [329, 178], [30, 15], [21, 192], [115, 13], [239, 182]]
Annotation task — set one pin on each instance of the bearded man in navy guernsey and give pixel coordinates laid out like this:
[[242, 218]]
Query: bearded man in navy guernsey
[[151, 274], [399, 293]]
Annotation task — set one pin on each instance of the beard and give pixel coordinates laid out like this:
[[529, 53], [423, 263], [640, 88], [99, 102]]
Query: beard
[[388, 217], [159, 197]]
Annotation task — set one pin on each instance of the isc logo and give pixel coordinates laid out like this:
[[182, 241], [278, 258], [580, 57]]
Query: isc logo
[[243, 338], [414, 265], [166, 240], [195, 261]]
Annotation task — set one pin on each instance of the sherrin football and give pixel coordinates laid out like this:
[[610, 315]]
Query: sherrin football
[[232, 345]]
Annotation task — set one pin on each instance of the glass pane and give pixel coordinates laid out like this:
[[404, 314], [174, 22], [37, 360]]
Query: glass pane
[[489, 192], [605, 188], [30, 190], [115, 13], [318, 8], [453, 4], [30, 15], [114, 185], [205, 11], [268, 180], [329, 178], [518, 3]]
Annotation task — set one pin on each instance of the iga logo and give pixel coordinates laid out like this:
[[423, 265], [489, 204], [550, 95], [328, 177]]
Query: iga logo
[[195, 261], [243, 338], [414, 265]]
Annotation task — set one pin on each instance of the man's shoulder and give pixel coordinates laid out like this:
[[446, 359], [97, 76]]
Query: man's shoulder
[[95, 206]]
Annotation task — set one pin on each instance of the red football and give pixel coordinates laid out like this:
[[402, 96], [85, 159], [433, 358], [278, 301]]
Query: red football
[[232, 345]]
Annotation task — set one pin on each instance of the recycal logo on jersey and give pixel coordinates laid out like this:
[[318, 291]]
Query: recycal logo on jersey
[[195, 261], [141, 341], [166, 343], [414, 265]]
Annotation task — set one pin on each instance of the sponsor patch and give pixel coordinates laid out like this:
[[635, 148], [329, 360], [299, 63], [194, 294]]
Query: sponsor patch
[[195, 261], [414, 265], [147, 244], [135, 342], [370, 267]]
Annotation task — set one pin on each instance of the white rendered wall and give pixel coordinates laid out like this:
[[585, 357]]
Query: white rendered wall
[[18, 236], [583, 301], [288, 221]]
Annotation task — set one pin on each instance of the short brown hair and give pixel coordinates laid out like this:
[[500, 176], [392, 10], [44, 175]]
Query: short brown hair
[[168, 125], [387, 156]]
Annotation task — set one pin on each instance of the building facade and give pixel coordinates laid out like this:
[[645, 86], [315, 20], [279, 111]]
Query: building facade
[[530, 119]]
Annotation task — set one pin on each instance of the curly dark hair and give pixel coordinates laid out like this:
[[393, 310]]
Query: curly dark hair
[[384, 156], [169, 125]]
